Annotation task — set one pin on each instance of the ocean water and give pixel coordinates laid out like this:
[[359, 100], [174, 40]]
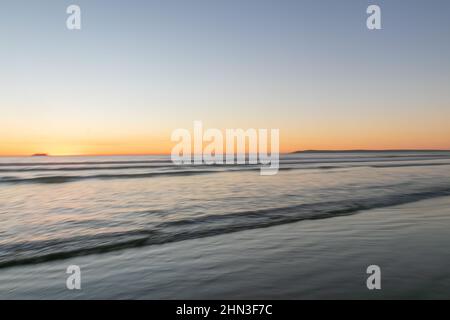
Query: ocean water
[[115, 215]]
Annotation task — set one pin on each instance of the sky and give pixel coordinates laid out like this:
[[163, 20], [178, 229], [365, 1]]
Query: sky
[[138, 70]]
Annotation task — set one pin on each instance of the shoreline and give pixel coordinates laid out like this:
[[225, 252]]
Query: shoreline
[[309, 259]]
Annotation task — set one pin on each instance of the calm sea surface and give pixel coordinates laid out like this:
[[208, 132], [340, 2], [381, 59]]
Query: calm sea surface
[[141, 227]]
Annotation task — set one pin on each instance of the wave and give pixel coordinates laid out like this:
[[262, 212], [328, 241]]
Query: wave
[[96, 168], [196, 170], [308, 160], [64, 179], [409, 165], [210, 225], [72, 163]]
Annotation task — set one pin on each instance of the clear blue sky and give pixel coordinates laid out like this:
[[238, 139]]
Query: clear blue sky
[[139, 69]]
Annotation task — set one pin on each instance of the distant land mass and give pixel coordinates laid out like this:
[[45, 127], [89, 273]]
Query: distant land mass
[[40, 155], [371, 151]]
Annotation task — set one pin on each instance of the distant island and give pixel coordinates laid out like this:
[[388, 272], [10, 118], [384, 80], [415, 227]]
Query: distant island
[[40, 155], [369, 151]]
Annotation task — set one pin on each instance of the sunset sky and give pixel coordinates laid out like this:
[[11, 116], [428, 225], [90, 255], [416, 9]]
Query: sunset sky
[[140, 69]]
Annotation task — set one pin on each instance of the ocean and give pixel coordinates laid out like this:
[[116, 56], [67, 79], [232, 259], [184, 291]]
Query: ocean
[[140, 227]]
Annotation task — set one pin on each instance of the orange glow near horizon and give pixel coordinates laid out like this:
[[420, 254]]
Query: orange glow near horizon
[[164, 146], [111, 138]]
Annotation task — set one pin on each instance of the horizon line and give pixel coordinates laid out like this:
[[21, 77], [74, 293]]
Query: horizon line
[[168, 154]]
